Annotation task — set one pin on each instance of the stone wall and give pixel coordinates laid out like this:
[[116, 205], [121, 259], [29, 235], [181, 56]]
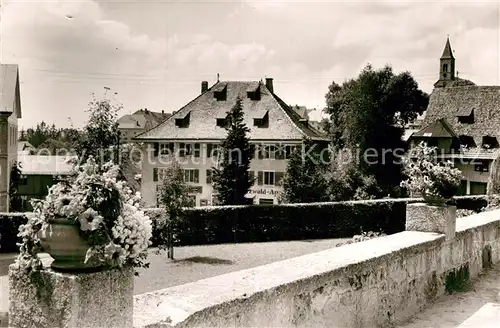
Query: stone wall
[[376, 283]]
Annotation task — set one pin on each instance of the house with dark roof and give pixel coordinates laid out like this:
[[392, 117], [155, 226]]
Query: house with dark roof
[[10, 112], [131, 125], [463, 121], [194, 133]]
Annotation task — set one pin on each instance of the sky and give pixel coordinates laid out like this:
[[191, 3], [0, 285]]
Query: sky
[[154, 54]]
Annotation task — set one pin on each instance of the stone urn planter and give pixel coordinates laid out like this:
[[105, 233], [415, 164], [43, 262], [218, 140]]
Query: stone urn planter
[[62, 240]]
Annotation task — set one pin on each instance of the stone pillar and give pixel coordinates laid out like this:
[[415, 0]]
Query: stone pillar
[[429, 218], [4, 161], [51, 299]]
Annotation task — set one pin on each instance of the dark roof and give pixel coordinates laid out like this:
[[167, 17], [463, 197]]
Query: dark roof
[[447, 52], [284, 123], [10, 99], [448, 102], [142, 119], [437, 129]]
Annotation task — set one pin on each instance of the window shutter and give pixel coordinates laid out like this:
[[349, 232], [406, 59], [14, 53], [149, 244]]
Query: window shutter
[[186, 176], [155, 174], [278, 176], [196, 176], [260, 178], [251, 176], [209, 176], [156, 149], [209, 150]]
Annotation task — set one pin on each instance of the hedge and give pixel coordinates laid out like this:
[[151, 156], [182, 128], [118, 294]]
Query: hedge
[[260, 223]]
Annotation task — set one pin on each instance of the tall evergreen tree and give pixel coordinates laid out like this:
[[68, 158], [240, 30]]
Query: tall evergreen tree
[[231, 179]]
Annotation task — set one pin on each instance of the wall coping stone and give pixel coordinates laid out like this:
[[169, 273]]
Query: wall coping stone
[[173, 306]]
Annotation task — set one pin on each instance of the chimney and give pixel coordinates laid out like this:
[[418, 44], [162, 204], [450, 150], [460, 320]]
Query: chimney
[[145, 110], [162, 111], [204, 86], [269, 84]]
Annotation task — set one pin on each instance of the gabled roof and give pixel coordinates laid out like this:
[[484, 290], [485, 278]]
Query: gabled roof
[[142, 119], [438, 129], [284, 122], [44, 165], [448, 102], [10, 97]]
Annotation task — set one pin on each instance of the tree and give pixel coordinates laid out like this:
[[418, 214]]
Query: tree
[[231, 180], [367, 117], [305, 180], [100, 135], [16, 203], [174, 196]]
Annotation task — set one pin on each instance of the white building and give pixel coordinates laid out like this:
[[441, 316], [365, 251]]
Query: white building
[[195, 131]]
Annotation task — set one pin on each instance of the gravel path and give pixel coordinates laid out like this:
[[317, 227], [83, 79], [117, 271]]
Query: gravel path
[[451, 310], [199, 262]]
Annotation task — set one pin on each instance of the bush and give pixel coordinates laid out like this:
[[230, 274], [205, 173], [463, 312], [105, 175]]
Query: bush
[[260, 223]]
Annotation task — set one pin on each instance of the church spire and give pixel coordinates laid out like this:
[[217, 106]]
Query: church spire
[[447, 52]]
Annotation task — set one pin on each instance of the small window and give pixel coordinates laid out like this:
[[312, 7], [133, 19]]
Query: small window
[[192, 175], [467, 141], [268, 178], [262, 122], [266, 201], [481, 166], [221, 122], [183, 122], [197, 150], [213, 150], [254, 95], [209, 176], [445, 68], [166, 148], [221, 95], [490, 142]]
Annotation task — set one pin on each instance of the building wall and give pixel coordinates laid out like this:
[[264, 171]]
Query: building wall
[[202, 164], [34, 187], [4, 161], [127, 134], [475, 181], [381, 282]]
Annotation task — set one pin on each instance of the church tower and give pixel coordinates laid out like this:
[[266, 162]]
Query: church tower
[[446, 66]]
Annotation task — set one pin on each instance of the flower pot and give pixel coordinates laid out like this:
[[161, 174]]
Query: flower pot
[[62, 240]]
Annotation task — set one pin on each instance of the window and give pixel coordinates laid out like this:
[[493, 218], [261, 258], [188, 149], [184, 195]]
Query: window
[[262, 122], [166, 148], [255, 94], [155, 174], [185, 149], [466, 117], [266, 201], [221, 95], [268, 178], [183, 122], [197, 150], [266, 151], [490, 142], [192, 175], [467, 141], [478, 188], [213, 150], [221, 122], [251, 176], [209, 176], [481, 166], [445, 68]]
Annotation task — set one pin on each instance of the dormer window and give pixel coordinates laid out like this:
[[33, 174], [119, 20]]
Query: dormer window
[[262, 121], [183, 122], [466, 115], [490, 142], [467, 141], [254, 94], [222, 122], [220, 93]]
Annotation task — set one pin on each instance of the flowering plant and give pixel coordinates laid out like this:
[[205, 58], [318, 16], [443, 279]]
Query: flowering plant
[[104, 209], [427, 176]]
